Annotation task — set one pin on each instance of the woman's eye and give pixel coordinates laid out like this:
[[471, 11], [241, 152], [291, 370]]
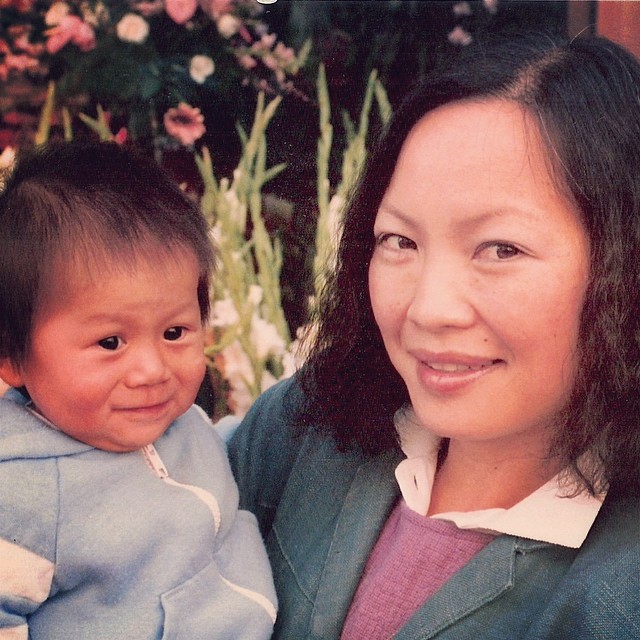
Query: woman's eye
[[395, 242], [500, 250], [174, 333], [111, 343]]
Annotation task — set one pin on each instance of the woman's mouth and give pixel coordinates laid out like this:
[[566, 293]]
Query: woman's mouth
[[452, 367], [445, 376]]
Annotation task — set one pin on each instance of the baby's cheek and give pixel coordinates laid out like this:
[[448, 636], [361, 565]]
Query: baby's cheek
[[194, 371]]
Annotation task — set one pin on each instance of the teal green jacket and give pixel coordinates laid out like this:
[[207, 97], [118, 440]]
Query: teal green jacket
[[321, 511]]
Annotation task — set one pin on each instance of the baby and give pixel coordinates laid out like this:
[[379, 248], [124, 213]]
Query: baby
[[118, 512]]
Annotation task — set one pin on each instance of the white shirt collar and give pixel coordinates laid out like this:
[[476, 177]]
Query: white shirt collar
[[546, 515]]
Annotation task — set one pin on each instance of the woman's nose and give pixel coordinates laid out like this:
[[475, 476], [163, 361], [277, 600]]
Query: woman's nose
[[441, 297]]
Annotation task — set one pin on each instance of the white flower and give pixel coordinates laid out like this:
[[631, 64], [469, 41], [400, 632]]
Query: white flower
[[236, 208], [215, 232], [237, 371], [224, 313], [200, 68], [228, 25], [132, 28], [240, 400], [7, 158], [56, 12], [255, 294], [265, 338], [237, 365]]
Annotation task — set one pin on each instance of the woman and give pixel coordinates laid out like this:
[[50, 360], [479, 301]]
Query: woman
[[479, 339]]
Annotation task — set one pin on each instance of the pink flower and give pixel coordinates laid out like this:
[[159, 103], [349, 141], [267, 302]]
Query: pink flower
[[22, 43], [215, 8], [247, 62], [459, 36], [21, 63], [180, 11], [71, 29], [491, 5], [462, 9], [286, 55], [148, 8], [268, 40], [184, 123]]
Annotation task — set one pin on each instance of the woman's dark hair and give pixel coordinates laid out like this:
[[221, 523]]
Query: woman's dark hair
[[585, 95], [88, 203]]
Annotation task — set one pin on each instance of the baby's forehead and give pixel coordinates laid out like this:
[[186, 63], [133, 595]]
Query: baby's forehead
[[82, 267]]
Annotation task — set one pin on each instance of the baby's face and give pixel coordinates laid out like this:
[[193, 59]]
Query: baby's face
[[116, 358]]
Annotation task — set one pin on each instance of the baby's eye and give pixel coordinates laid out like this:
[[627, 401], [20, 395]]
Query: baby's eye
[[111, 343], [174, 333], [395, 242]]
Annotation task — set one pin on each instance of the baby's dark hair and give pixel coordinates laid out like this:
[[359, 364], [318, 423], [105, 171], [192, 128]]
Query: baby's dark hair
[[88, 203]]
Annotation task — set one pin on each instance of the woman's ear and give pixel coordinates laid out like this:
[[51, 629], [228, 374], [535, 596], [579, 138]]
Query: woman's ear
[[10, 373]]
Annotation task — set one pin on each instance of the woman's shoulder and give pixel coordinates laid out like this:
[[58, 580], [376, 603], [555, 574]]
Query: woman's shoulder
[[264, 447], [272, 418], [599, 595], [615, 536], [607, 567]]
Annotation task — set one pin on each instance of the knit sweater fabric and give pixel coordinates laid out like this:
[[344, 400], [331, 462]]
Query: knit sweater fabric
[[414, 556]]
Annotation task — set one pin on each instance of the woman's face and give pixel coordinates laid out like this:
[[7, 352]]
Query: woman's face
[[478, 276]]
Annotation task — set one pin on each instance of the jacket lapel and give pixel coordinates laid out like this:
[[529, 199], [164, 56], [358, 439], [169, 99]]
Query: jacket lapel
[[371, 495], [482, 580]]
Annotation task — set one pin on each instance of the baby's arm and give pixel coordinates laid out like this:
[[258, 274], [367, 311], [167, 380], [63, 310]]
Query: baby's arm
[[25, 580], [28, 504], [244, 592]]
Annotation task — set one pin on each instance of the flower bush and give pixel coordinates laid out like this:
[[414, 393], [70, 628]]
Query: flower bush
[[148, 63]]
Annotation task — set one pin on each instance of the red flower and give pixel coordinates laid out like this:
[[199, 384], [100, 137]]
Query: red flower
[[23, 6], [121, 137]]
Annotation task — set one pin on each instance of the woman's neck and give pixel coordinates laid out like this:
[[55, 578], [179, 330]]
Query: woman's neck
[[476, 476]]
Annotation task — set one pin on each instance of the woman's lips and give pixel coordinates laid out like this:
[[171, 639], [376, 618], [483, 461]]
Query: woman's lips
[[451, 367], [452, 373]]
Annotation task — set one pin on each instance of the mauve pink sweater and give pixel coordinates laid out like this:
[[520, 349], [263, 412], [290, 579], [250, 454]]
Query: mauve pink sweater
[[414, 556]]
